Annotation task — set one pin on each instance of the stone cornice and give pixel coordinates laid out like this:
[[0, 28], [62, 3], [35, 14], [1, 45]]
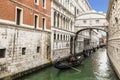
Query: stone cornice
[[57, 2], [63, 14], [80, 6], [92, 13], [59, 29], [88, 4], [90, 18], [13, 26]]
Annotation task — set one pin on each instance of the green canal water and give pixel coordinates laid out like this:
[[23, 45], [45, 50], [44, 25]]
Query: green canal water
[[94, 67]]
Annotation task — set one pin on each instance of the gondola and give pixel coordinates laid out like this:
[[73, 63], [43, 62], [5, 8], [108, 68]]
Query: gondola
[[94, 50], [65, 64]]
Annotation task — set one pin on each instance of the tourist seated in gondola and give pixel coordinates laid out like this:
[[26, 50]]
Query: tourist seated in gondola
[[72, 59]]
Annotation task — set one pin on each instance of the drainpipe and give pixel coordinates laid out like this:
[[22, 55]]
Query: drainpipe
[[14, 45]]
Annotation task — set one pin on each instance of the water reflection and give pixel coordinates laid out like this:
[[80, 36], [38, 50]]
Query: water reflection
[[102, 66]]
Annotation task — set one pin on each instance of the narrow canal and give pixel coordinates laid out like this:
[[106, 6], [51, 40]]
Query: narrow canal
[[95, 67]]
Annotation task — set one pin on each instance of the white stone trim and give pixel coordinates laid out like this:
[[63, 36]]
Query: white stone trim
[[27, 26], [47, 30], [7, 22], [39, 28], [14, 23], [21, 19], [37, 2], [23, 25], [44, 7]]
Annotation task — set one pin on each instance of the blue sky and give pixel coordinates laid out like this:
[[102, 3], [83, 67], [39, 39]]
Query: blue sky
[[99, 5]]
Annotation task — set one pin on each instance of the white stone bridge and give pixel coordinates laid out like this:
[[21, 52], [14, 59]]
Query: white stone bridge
[[89, 21]]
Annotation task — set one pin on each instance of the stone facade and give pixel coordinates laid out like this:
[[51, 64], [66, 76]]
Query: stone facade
[[64, 13], [25, 35], [113, 17], [21, 49]]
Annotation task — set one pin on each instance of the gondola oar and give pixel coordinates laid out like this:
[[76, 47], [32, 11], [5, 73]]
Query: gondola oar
[[74, 68]]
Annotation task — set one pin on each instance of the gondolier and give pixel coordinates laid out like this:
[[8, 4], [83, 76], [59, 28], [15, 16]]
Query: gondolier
[[58, 60]]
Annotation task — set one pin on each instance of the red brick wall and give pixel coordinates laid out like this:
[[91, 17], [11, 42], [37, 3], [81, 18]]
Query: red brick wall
[[8, 11]]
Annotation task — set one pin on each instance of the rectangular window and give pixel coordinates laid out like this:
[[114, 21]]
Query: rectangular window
[[54, 36], [38, 49], [36, 2], [18, 18], [44, 3], [84, 21], [97, 21], [43, 23], [35, 21], [23, 51], [2, 53]]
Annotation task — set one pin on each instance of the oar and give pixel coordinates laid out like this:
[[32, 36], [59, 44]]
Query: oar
[[75, 69]]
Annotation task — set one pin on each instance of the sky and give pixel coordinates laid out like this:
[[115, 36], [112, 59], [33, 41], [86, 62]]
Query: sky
[[99, 5]]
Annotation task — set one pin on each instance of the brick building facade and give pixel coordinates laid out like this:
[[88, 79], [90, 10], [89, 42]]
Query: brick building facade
[[27, 10], [25, 34]]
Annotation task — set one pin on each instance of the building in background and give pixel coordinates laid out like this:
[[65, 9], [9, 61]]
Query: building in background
[[63, 16], [25, 34]]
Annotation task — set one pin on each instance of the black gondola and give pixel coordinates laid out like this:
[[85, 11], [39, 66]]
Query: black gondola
[[62, 65]]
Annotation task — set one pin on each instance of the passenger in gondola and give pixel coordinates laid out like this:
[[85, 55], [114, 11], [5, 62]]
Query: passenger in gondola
[[72, 59]]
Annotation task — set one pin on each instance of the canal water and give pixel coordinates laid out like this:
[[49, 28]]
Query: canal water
[[94, 67]]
